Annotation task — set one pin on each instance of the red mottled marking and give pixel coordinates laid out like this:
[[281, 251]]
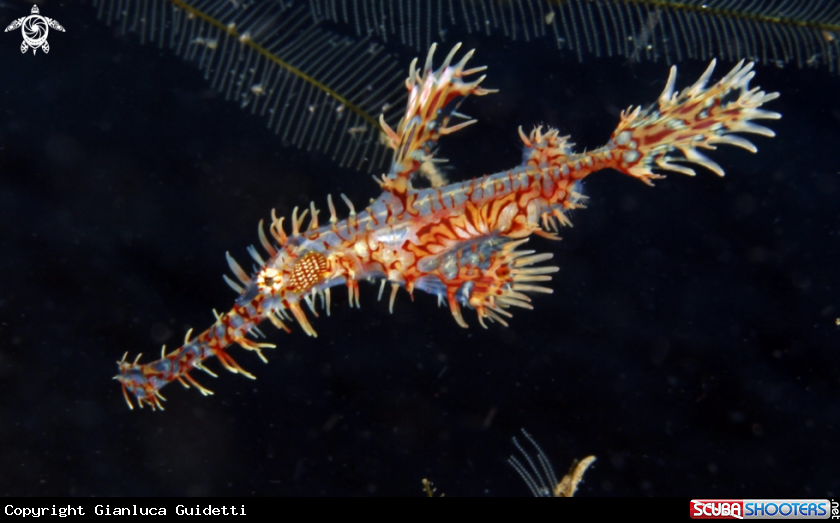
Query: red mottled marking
[[704, 124], [657, 137]]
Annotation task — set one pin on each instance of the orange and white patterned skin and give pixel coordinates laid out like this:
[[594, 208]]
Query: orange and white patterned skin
[[460, 241]]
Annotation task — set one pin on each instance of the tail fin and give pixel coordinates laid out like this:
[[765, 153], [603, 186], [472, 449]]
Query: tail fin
[[698, 117]]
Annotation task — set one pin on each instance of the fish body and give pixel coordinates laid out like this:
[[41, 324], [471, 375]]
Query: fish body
[[461, 241]]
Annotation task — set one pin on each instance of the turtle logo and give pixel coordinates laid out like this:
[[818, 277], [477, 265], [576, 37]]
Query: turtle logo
[[35, 29]]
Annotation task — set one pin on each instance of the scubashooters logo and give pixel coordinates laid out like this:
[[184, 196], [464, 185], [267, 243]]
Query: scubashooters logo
[[35, 29], [761, 508]]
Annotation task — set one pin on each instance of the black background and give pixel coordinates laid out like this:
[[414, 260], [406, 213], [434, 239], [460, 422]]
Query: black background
[[690, 343]]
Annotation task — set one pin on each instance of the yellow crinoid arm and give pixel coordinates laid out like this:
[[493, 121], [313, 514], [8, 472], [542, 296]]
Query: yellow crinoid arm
[[698, 117], [434, 96]]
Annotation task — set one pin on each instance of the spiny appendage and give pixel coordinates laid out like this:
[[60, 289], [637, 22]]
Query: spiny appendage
[[292, 276], [433, 99], [290, 282], [548, 153], [549, 156], [144, 381], [295, 278], [544, 149], [490, 277], [697, 117]]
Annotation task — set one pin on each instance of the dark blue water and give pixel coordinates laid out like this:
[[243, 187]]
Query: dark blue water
[[690, 343]]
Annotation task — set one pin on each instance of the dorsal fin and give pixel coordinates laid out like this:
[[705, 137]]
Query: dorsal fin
[[434, 96]]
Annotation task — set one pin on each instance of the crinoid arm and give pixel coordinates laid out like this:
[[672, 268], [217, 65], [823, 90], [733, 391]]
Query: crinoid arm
[[433, 99], [539, 475], [698, 117]]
